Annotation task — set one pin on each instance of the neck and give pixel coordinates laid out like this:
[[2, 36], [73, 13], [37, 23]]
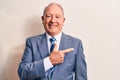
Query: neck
[[53, 34]]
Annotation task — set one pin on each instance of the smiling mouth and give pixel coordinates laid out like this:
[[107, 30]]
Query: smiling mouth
[[52, 25]]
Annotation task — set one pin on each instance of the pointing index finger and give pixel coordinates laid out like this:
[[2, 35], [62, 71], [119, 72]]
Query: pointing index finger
[[68, 50]]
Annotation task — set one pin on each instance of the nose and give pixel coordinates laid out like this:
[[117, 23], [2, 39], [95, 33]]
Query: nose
[[53, 19]]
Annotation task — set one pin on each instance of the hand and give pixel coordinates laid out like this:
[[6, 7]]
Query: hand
[[57, 57]]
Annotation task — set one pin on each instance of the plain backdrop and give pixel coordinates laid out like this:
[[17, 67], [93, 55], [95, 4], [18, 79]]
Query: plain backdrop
[[95, 22]]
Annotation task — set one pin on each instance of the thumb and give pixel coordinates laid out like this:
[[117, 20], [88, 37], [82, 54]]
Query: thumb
[[68, 50], [55, 47]]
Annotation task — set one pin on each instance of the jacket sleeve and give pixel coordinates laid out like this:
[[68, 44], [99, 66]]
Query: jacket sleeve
[[29, 69], [80, 65]]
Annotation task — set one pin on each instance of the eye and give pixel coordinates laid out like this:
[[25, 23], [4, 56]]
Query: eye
[[48, 16], [57, 16]]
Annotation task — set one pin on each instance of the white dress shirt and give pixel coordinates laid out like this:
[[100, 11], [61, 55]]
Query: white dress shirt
[[47, 63]]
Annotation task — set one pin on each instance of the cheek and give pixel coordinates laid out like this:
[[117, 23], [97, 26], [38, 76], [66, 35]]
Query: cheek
[[61, 23], [46, 21]]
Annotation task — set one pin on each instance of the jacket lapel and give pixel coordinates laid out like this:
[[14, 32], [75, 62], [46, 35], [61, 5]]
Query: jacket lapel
[[42, 45], [64, 42]]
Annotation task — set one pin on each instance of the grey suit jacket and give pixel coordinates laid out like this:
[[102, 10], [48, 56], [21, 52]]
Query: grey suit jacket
[[32, 66]]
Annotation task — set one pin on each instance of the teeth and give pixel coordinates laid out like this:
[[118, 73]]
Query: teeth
[[52, 25]]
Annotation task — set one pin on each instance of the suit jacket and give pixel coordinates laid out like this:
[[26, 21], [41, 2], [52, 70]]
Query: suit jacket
[[32, 66]]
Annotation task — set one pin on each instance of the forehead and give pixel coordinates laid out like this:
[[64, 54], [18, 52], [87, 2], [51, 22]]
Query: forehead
[[53, 9]]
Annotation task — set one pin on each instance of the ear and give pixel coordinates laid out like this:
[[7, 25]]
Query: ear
[[42, 18], [64, 19]]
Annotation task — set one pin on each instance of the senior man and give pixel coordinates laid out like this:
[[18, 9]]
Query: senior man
[[53, 55]]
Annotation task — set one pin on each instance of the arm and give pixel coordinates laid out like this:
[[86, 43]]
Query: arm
[[80, 66], [29, 69]]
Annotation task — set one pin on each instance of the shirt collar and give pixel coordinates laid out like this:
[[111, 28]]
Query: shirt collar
[[57, 37]]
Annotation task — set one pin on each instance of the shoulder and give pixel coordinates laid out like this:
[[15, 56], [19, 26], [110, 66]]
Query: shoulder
[[72, 38], [35, 38]]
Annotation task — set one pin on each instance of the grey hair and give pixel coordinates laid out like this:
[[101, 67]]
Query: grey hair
[[53, 4]]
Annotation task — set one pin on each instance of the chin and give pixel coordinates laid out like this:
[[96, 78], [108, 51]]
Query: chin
[[52, 33], [52, 30]]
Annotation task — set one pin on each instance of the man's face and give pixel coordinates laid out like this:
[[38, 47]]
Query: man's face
[[53, 20]]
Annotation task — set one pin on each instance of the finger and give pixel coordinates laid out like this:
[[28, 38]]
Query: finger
[[61, 60], [55, 47], [68, 50]]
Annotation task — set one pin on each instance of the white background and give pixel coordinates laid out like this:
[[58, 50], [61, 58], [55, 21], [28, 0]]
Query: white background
[[95, 22]]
